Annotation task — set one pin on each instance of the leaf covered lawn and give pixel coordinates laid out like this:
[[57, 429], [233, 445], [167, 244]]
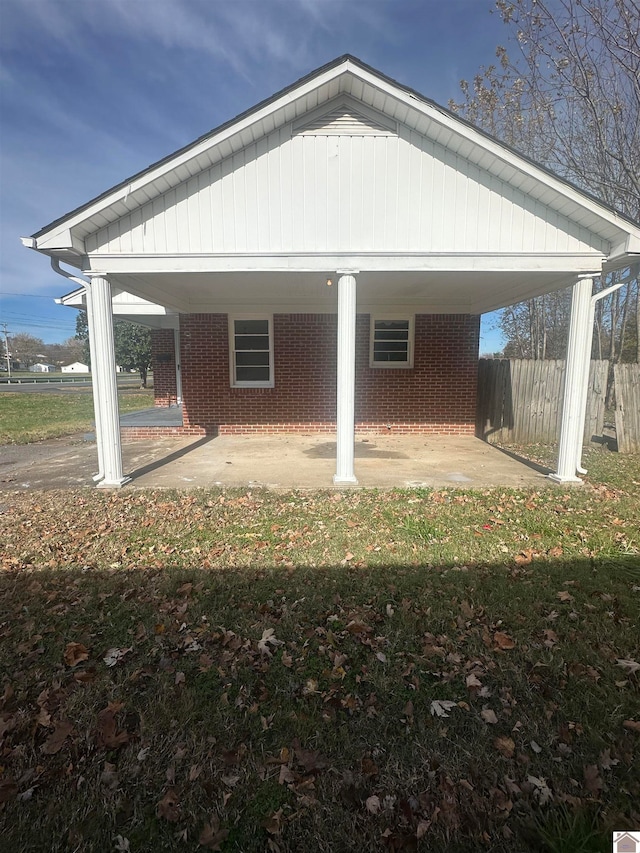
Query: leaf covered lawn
[[248, 671]]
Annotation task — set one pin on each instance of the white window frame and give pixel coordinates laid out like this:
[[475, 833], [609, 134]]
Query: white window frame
[[392, 365], [232, 351]]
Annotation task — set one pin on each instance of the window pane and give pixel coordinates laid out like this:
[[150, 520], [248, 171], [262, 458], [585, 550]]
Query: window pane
[[252, 374], [252, 342], [392, 325], [251, 327], [386, 335], [390, 346], [247, 359], [390, 356]]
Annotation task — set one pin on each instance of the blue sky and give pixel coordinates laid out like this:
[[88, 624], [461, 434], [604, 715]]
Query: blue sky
[[95, 90]]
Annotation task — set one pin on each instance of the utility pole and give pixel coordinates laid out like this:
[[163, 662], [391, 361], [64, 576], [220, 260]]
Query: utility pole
[[6, 344]]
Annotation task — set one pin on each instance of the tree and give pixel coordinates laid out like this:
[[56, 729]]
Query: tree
[[537, 328], [26, 349], [133, 347], [82, 334], [132, 344], [569, 98], [65, 353]]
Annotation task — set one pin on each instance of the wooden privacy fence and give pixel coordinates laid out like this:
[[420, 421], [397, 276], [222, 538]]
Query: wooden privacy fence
[[627, 379], [520, 400]]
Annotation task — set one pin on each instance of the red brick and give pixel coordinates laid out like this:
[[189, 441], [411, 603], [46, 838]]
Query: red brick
[[436, 396]]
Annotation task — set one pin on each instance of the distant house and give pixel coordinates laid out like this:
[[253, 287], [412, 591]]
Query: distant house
[[76, 367], [41, 367]]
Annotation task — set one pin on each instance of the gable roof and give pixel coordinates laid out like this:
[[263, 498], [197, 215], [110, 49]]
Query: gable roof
[[350, 78]]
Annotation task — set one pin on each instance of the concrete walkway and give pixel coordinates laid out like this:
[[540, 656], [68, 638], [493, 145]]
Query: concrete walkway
[[279, 462]]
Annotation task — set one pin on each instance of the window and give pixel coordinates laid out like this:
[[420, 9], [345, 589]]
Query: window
[[391, 342], [251, 345]]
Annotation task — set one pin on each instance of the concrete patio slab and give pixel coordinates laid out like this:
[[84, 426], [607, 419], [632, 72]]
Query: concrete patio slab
[[276, 462]]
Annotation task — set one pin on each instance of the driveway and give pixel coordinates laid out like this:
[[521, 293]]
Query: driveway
[[278, 462]]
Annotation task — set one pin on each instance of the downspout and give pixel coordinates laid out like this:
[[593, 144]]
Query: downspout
[[55, 266]]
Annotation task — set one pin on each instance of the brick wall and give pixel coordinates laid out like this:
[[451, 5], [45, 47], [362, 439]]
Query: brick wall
[[437, 396], [163, 361]]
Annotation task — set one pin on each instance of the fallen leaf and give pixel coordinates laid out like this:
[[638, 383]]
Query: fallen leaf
[[629, 666], [75, 653], [563, 595], [54, 742], [169, 806], [473, 682], [114, 656], [286, 775], [592, 779], [505, 746], [632, 725], [373, 804], [503, 641], [422, 828], [489, 716], [541, 789], [524, 557], [212, 836], [268, 638], [439, 707], [273, 824], [311, 759], [108, 735]]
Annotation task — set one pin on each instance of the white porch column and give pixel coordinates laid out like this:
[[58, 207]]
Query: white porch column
[[575, 383], [103, 377], [96, 394], [345, 415], [176, 355]]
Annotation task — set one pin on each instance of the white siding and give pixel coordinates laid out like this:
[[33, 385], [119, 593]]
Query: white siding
[[343, 193]]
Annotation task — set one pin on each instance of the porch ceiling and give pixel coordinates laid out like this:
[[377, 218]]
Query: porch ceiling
[[420, 291]]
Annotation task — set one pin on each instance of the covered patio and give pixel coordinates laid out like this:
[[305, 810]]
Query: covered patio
[[282, 462]]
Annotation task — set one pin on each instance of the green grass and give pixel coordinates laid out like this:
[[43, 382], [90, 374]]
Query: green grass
[[282, 654], [34, 416]]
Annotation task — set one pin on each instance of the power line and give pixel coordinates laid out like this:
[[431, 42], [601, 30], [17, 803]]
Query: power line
[[31, 295]]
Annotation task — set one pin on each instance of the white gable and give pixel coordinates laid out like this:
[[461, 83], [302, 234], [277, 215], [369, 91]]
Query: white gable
[[344, 169], [344, 182]]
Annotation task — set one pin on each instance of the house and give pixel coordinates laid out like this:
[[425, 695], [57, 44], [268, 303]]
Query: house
[[626, 843], [326, 257], [75, 367], [164, 324], [42, 367]]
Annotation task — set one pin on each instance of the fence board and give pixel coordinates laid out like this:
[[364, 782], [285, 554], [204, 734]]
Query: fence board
[[520, 400], [627, 379]]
